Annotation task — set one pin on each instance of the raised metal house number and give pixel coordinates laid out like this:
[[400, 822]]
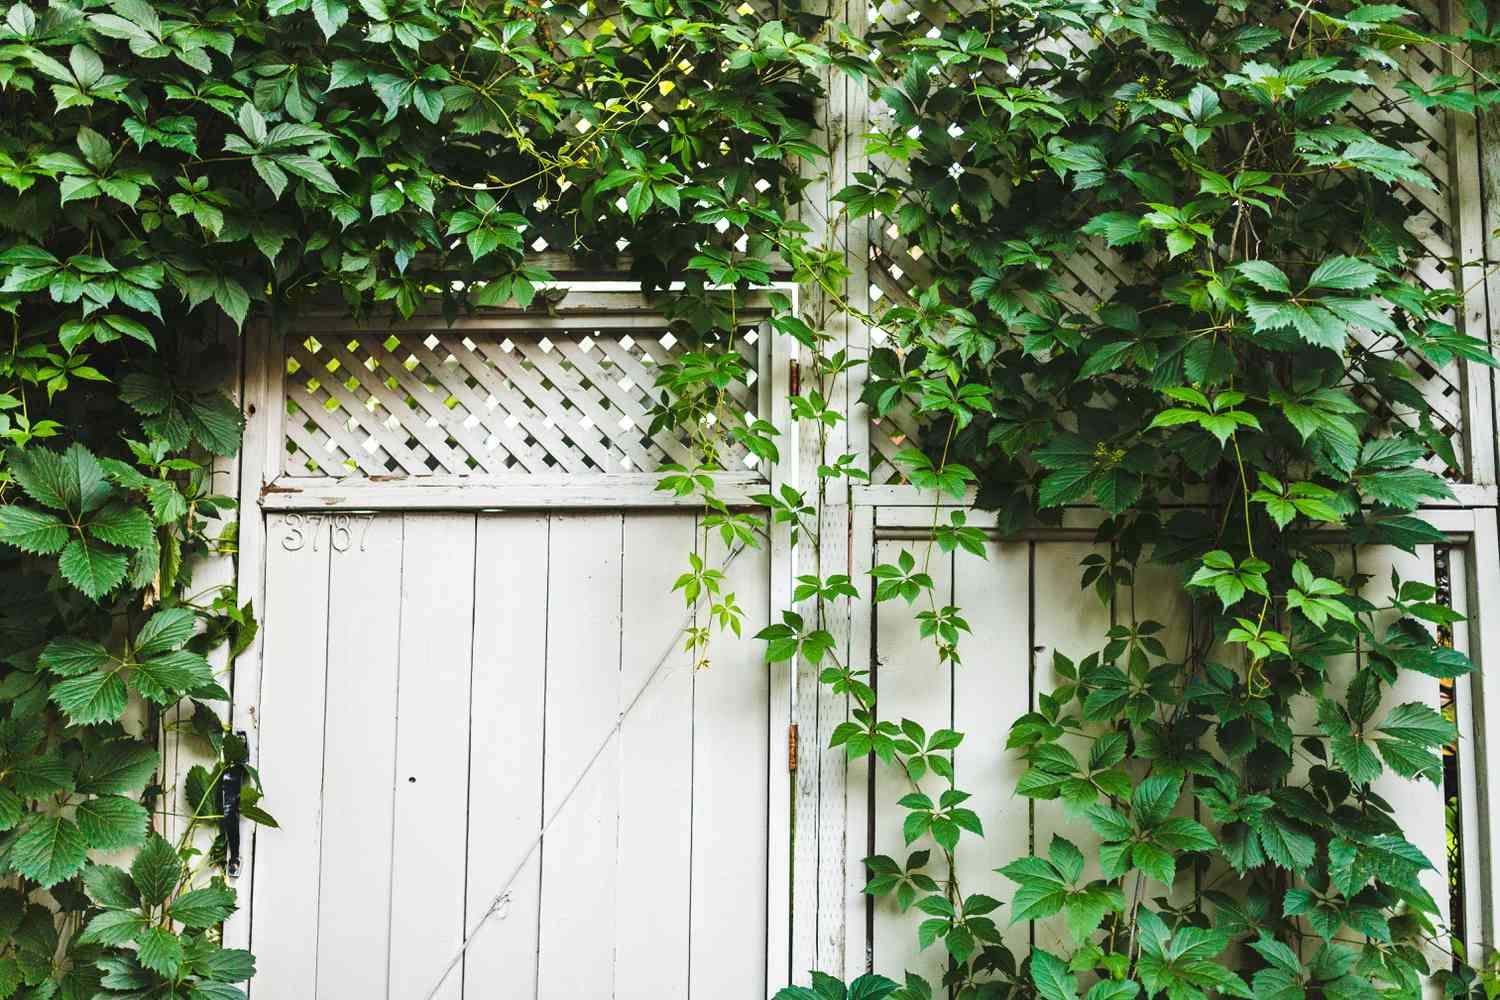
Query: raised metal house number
[[303, 529]]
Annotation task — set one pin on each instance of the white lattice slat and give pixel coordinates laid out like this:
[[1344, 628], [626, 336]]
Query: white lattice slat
[[501, 402], [899, 269]]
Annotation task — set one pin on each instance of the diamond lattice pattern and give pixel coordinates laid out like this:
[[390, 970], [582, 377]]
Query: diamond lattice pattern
[[445, 403], [1092, 276]]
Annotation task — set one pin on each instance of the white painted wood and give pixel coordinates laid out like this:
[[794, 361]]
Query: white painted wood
[[359, 760], [989, 692], [1419, 805], [909, 684], [858, 842], [831, 763], [505, 749], [284, 888], [1484, 637], [576, 949], [893, 499], [783, 566], [1073, 622], [250, 581], [657, 751], [1469, 803], [432, 750], [735, 764], [517, 492]]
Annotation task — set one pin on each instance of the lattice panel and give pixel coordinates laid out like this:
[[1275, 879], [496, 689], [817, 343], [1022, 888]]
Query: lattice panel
[[444, 403], [1092, 276]]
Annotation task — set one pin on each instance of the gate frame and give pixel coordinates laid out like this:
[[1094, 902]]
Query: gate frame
[[261, 491], [1472, 527]]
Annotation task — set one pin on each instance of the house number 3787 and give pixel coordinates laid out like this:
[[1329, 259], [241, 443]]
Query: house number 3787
[[299, 530]]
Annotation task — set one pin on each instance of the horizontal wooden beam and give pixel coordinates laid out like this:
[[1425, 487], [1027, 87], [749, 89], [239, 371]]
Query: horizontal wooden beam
[[1465, 496], [427, 493]]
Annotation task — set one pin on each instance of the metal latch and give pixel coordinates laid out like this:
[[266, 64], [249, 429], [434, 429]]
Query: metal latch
[[230, 784]]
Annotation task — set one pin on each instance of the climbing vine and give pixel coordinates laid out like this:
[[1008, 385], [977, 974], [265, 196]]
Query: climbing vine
[[169, 171], [1243, 409]]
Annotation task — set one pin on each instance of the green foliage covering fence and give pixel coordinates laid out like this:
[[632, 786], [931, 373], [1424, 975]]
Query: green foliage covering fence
[[161, 164]]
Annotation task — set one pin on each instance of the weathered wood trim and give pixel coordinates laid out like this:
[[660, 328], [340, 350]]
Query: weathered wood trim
[[260, 401], [605, 490], [1465, 495], [1484, 649], [857, 846], [1464, 179], [780, 782]]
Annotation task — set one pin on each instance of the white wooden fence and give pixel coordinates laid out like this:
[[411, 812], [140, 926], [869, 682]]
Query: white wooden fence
[[453, 539]]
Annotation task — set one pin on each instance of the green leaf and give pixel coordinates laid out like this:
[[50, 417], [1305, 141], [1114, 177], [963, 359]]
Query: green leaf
[[1051, 976], [93, 570], [51, 850], [114, 927], [1418, 723], [1266, 275], [118, 766], [160, 951], [1343, 274], [165, 631], [156, 870], [1109, 989], [1155, 862], [109, 886], [112, 822], [129, 527], [35, 532], [69, 656], [91, 698], [1154, 798], [204, 907]]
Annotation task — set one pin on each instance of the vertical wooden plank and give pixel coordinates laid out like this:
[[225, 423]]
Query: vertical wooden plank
[[1469, 804], [909, 684], [657, 769], [250, 580], [181, 750], [858, 844], [1073, 622], [432, 751], [577, 924], [291, 703], [831, 763], [1484, 648], [364, 620], [731, 768], [1419, 805], [816, 711], [781, 784], [989, 693], [1466, 185], [505, 751]]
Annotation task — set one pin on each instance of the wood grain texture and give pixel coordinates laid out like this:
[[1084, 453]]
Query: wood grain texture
[[576, 950], [359, 762], [909, 684], [432, 751], [657, 766], [1073, 622], [291, 703], [989, 692], [505, 750], [735, 759]]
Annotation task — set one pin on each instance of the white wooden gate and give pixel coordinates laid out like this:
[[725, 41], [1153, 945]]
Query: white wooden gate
[[1024, 603], [465, 576]]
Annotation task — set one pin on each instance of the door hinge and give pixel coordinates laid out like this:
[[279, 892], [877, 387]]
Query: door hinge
[[791, 747], [795, 378], [230, 784]]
